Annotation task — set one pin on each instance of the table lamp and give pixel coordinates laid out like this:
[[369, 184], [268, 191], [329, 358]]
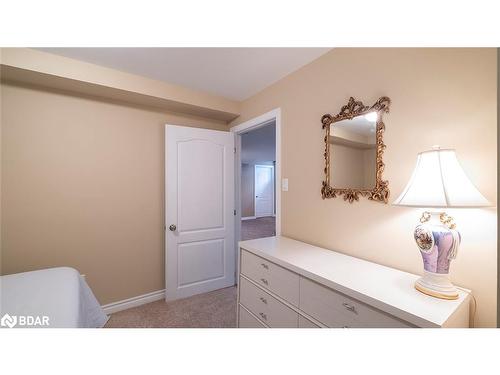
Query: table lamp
[[438, 182]]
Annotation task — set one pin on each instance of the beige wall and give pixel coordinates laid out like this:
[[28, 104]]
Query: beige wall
[[352, 167], [83, 186], [439, 96], [498, 140], [369, 168]]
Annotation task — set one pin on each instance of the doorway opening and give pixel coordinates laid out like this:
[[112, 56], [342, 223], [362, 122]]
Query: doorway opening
[[258, 204], [257, 177]]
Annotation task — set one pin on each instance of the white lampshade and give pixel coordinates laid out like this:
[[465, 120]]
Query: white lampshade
[[439, 181]]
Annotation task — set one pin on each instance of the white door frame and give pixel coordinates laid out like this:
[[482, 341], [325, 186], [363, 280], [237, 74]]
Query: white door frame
[[255, 182], [255, 123]]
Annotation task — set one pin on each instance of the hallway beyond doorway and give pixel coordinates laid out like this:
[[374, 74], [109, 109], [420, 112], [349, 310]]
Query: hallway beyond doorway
[[258, 228]]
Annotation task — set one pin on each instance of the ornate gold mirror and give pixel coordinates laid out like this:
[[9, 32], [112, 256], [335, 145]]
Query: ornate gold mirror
[[354, 147]]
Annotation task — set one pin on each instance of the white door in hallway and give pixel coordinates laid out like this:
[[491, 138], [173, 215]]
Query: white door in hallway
[[199, 189], [264, 190]]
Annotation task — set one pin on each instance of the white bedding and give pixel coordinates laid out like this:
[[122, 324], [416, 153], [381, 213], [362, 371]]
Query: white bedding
[[60, 294]]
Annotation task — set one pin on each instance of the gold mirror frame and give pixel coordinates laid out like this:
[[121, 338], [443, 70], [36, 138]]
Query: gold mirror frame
[[380, 192]]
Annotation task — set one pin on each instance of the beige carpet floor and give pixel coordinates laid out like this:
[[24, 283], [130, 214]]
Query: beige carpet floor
[[258, 228], [215, 309]]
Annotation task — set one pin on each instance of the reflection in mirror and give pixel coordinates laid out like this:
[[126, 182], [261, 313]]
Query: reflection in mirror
[[353, 152]]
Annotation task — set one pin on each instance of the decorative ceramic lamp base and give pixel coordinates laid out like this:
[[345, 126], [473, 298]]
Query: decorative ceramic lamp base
[[438, 242], [436, 285]]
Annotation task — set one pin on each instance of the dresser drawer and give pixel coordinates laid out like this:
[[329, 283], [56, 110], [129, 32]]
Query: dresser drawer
[[247, 320], [334, 309], [271, 276], [306, 323], [265, 307]]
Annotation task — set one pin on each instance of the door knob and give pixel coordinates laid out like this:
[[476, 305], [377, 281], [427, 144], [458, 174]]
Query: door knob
[[172, 227]]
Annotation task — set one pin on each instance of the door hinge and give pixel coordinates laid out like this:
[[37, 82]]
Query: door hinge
[[234, 150], [234, 212]]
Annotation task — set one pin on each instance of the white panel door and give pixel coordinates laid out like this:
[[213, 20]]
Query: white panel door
[[199, 179], [264, 190]]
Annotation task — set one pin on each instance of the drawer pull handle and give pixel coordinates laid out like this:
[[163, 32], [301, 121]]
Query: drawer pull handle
[[345, 326], [349, 307], [263, 316], [265, 266], [265, 281], [263, 300]]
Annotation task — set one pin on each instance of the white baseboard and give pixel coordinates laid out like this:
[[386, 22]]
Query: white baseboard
[[128, 303], [249, 218]]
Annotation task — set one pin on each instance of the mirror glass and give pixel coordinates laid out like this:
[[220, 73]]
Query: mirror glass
[[353, 152]]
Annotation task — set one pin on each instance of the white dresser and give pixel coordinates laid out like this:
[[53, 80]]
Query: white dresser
[[285, 283]]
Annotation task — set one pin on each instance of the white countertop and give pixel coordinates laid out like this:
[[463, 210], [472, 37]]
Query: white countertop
[[386, 288]]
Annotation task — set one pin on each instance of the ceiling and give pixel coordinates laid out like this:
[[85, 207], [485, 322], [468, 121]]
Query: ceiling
[[359, 125], [234, 73], [259, 145]]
